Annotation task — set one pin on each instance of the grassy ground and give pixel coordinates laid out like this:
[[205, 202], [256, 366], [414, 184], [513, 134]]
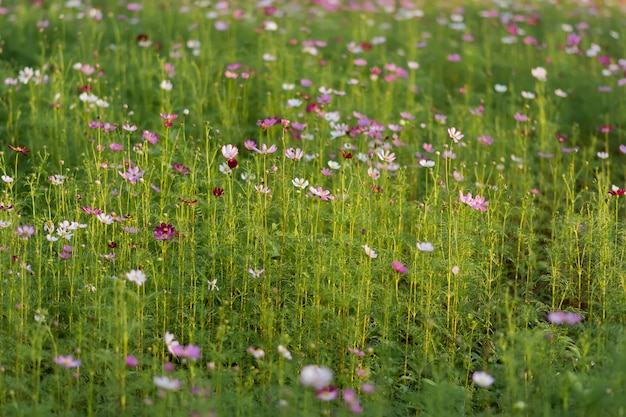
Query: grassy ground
[[312, 208]]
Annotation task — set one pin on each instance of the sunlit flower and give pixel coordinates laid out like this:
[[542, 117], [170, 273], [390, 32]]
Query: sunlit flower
[[105, 218], [168, 119], [213, 285], [482, 379]]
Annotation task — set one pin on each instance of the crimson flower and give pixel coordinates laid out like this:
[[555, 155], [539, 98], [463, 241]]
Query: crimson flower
[[217, 192], [165, 232]]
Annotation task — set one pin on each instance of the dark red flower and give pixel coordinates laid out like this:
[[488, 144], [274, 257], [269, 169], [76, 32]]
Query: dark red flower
[[165, 232], [232, 163], [217, 192]]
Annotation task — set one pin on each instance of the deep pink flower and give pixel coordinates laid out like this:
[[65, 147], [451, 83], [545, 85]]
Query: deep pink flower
[[131, 361], [399, 267]]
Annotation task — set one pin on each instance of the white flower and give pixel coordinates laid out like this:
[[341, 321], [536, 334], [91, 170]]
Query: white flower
[[539, 73], [294, 102], [262, 189], [425, 246], [426, 163], [300, 183], [334, 164], [137, 276], [455, 135], [482, 379], [225, 169], [603, 155], [7, 179], [166, 383], [500, 88], [105, 218], [560, 93], [370, 252], [528, 95], [166, 85], [213, 285], [284, 352], [386, 156], [288, 87], [269, 57], [316, 376]]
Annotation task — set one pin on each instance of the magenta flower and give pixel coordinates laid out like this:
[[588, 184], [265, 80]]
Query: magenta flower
[[131, 361], [67, 361], [165, 232], [399, 267], [561, 317], [485, 140], [180, 169]]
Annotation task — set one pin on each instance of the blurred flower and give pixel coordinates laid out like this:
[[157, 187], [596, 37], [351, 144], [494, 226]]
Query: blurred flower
[[370, 252], [327, 394], [165, 383], [425, 246], [137, 276], [482, 379], [67, 361], [539, 73], [399, 267], [560, 317], [316, 376]]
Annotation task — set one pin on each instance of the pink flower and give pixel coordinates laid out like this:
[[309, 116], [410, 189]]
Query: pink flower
[[168, 118], [560, 317], [67, 361], [399, 267], [327, 394], [25, 231], [229, 151], [131, 361]]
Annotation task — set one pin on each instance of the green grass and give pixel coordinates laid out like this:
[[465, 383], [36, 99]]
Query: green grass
[[239, 261]]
